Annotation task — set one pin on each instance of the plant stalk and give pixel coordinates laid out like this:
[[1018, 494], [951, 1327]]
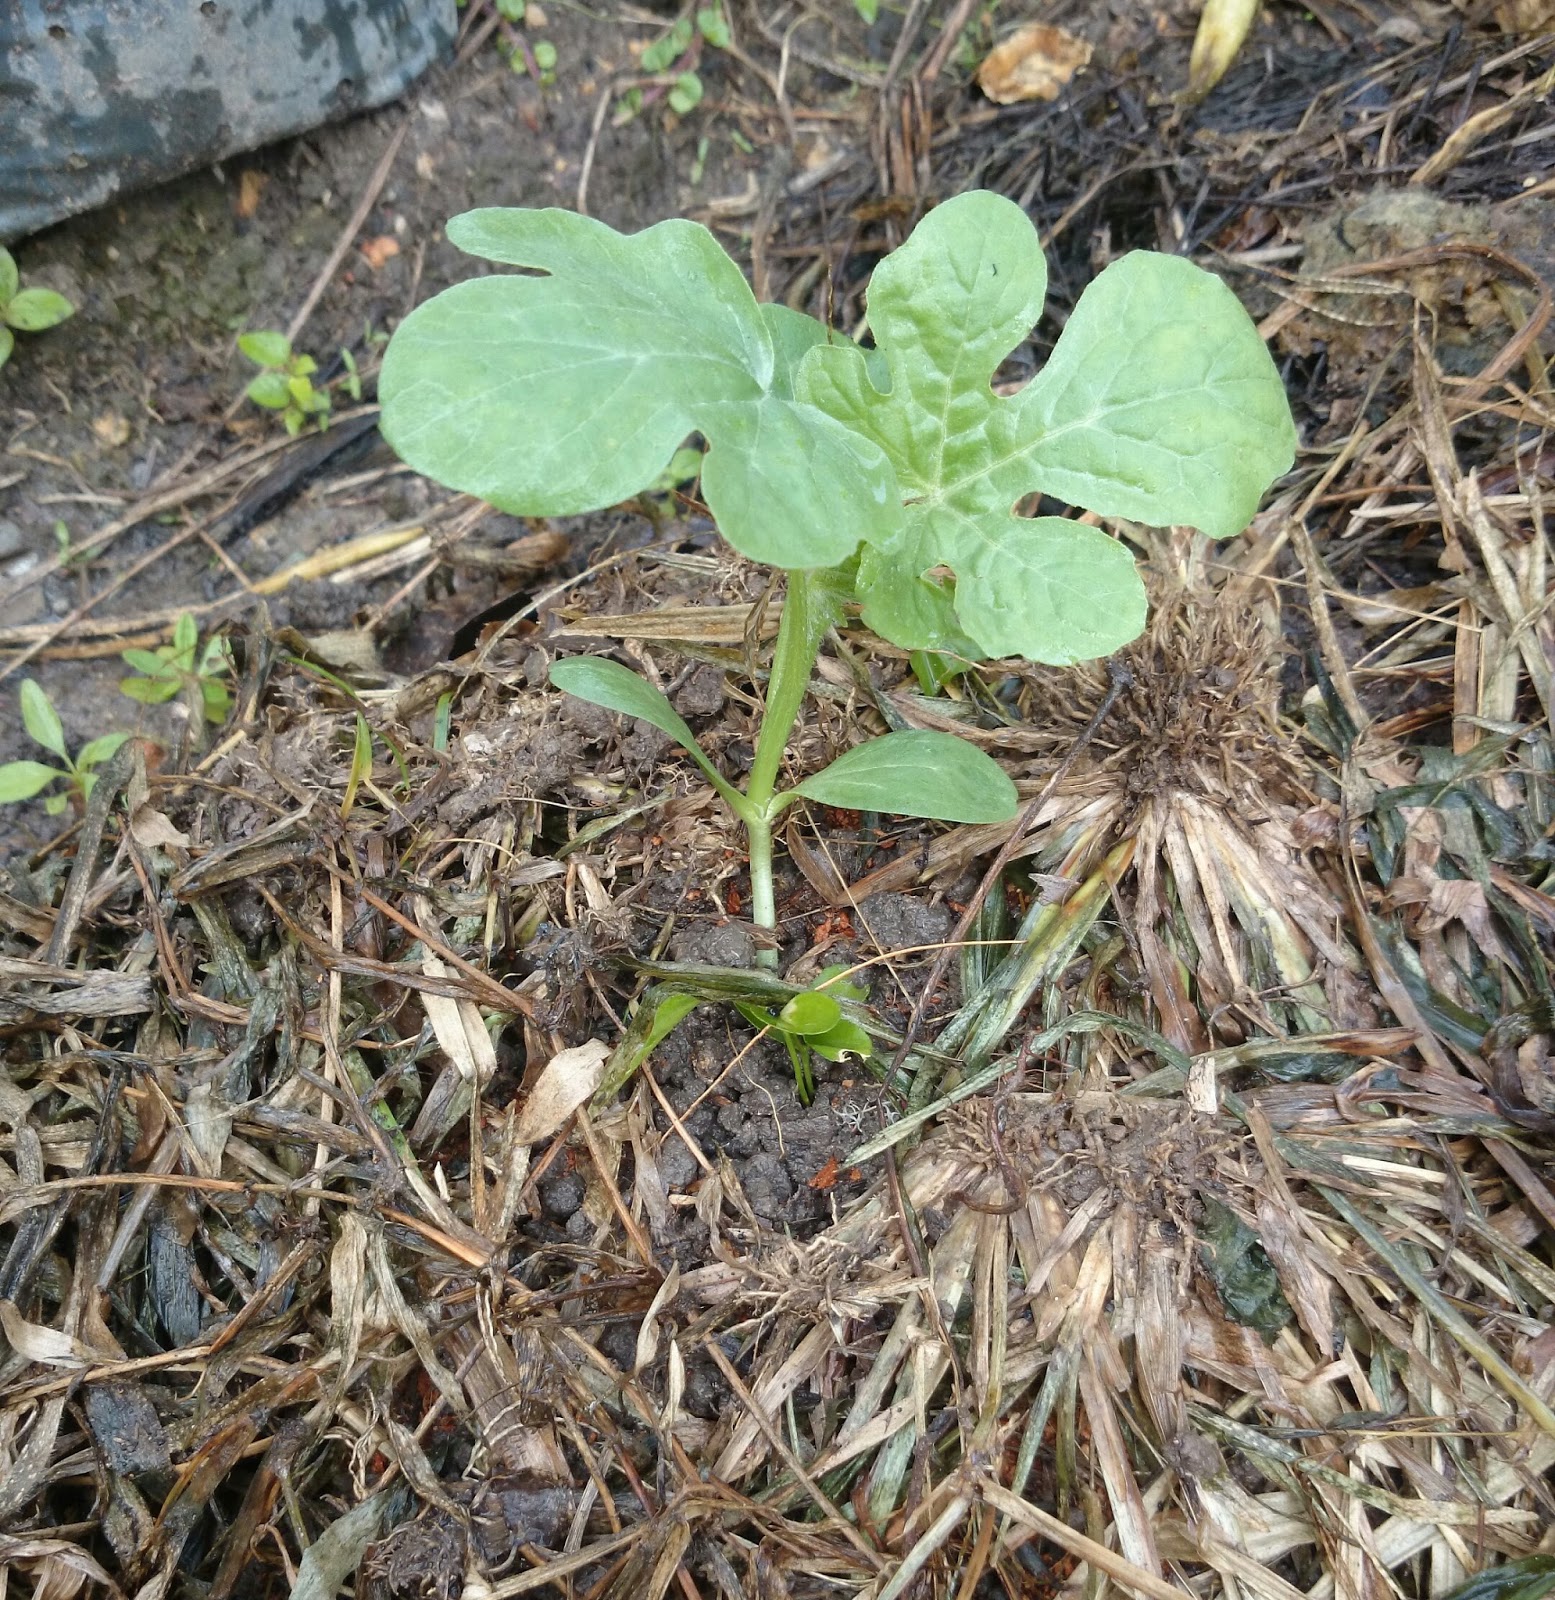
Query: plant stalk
[[758, 830], [810, 607]]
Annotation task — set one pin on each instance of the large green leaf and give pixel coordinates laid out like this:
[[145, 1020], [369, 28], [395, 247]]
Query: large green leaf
[[1160, 404], [617, 688], [917, 774], [560, 394]]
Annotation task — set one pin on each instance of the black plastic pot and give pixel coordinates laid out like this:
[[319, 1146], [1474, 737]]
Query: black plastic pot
[[98, 97]]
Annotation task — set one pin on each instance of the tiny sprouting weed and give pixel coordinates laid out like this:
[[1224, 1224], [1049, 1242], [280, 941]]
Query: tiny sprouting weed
[[182, 667], [21, 780], [285, 381], [25, 310], [812, 1024], [669, 64]]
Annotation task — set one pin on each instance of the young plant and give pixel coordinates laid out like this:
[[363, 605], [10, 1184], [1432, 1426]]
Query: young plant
[[285, 382], [812, 1024], [21, 780], [669, 63], [183, 667], [26, 310], [887, 477]]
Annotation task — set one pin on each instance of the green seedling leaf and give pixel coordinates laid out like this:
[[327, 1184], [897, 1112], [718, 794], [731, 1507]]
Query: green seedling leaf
[[868, 10], [668, 48], [685, 465], [7, 344], [617, 688], [361, 764], [186, 635], [10, 277], [270, 390], [846, 1039], [21, 780], [555, 395], [1241, 1271], [216, 700], [41, 720], [713, 25], [545, 55], [150, 691], [33, 310], [1160, 403], [266, 348], [152, 662], [96, 751], [302, 366], [809, 1013], [917, 775], [686, 96]]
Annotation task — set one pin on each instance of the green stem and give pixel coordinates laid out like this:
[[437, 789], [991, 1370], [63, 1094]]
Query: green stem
[[758, 830], [808, 612], [809, 609]]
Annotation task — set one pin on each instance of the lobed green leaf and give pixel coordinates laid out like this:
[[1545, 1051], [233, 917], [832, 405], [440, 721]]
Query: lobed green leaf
[[917, 774], [564, 393], [1160, 403]]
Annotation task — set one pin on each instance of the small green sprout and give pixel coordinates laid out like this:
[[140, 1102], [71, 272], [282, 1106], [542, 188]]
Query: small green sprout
[[883, 479], [670, 63], [286, 382], [182, 667], [812, 1024], [21, 780], [26, 310]]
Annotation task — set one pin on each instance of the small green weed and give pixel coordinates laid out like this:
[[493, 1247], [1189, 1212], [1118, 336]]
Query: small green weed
[[285, 382], [182, 667], [669, 64], [26, 310], [21, 780], [812, 1024]]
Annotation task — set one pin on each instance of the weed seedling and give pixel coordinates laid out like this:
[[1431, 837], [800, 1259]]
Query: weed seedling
[[285, 382], [812, 1024], [25, 310], [883, 478], [183, 667], [21, 780]]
